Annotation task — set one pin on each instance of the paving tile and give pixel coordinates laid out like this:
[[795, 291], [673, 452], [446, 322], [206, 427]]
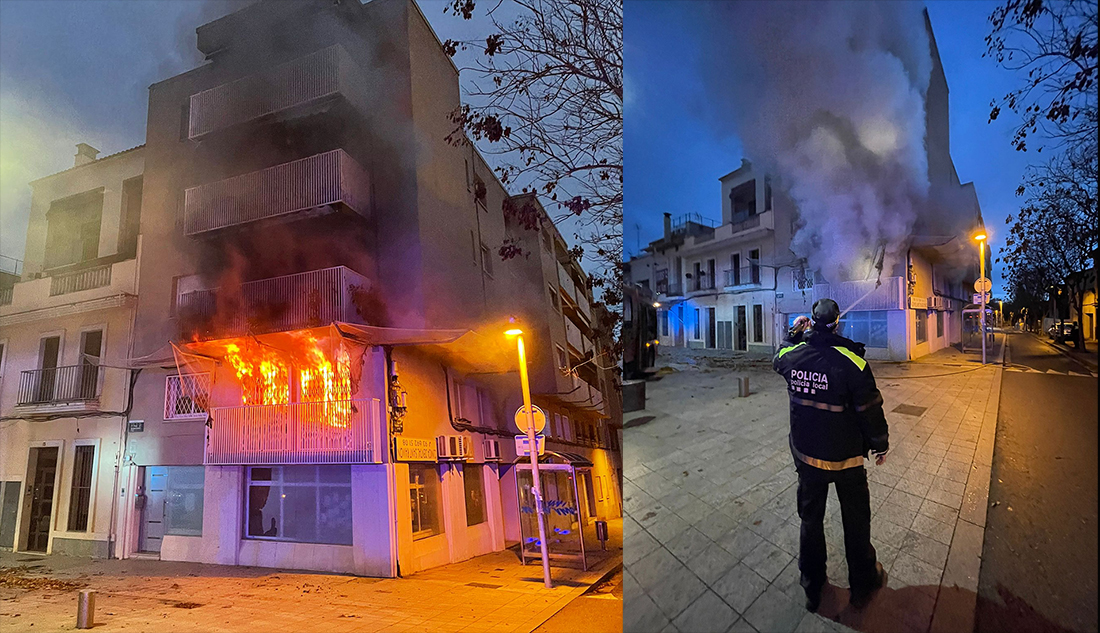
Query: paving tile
[[774, 611], [740, 587], [741, 626], [677, 590], [890, 533], [946, 498], [764, 522], [912, 486], [707, 614], [925, 548], [643, 616], [667, 528], [712, 563], [638, 546], [767, 560], [716, 524], [687, 544], [694, 510], [652, 569], [947, 485], [788, 582], [676, 500], [938, 511], [740, 541], [788, 536], [908, 571], [895, 514], [904, 499], [739, 509], [932, 528]]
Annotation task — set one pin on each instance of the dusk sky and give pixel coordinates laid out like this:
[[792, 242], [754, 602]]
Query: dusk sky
[[78, 71], [674, 158]]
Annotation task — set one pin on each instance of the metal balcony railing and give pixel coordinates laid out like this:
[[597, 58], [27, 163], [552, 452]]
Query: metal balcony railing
[[308, 183], [702, 282], [11, 265], [744, 276], [277, 304], [87, 279], [54, 385], [5, 296], [334, 432], [670, 289], [300, 81]]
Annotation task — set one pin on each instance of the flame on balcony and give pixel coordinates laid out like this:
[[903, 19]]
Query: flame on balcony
[[290, 368]]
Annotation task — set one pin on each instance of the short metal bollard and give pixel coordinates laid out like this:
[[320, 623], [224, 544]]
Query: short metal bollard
[[601, 533], [742, 386], [85, 609]]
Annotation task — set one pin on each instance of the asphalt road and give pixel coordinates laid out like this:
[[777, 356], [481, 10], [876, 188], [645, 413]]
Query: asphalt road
[[1039, 564], [598, 610]]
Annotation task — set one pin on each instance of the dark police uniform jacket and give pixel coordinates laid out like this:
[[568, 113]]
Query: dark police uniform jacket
[[836, 409]]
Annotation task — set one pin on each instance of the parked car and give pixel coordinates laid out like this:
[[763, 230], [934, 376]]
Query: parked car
[[1066, 331]]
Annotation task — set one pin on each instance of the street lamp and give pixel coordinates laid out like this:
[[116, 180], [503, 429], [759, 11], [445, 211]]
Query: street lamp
[[532, 449], [981, 237]]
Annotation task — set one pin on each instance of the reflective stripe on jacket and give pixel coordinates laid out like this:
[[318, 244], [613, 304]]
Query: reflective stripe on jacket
[[836, 409]]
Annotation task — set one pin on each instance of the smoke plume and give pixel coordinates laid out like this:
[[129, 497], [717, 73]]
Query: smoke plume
[[830, 99]]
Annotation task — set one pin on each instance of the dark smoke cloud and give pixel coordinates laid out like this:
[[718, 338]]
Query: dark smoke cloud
[[829, 97]]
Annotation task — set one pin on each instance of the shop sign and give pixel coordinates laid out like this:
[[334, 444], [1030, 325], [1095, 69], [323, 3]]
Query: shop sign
[[136, 426], [415, 449], [918, 303]]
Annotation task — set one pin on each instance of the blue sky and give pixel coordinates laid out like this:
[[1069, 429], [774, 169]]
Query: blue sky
[[674, 160]]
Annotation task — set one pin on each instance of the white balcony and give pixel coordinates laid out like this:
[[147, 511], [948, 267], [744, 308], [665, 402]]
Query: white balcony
[[277, 304], [96, 288], [334, 432], [310, 78], [315, 184], [746, 276], [72, 389], [566, 283]]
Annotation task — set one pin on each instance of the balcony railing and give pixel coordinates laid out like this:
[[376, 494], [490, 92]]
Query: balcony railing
[[298, 82], [335, 432], [5, 296], [744, 276], [670, 289], [700, 283], [55, 385], [87, 279], [278, 304], [308, 183]]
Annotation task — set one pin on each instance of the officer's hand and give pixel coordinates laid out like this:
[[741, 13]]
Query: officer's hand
[[880, 458], [801, 323]]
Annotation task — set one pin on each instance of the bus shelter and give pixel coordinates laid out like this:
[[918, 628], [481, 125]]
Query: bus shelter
[[972, 325], [558, 473]]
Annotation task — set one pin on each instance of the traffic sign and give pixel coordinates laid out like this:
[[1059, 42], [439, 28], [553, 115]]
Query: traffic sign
[[983, 284], [523, 447], [977, 299], [521, 419]]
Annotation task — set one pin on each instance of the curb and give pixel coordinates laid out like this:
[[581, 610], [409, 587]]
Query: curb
[[602, 579], [1067, 353], [956, 604]]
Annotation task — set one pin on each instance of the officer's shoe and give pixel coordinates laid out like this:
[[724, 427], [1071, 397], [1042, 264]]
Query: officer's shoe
[[813, 599], [861, 597]]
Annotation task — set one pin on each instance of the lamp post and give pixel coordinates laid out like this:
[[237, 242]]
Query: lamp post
[[534, 452], [981, 236]]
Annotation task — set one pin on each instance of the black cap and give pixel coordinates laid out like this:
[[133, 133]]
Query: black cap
[[826, 311]]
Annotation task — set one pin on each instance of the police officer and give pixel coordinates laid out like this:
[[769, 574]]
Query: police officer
[[836, 419]]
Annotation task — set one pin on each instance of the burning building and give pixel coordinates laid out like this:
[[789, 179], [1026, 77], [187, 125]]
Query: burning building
[[853, 196], [320, 375]]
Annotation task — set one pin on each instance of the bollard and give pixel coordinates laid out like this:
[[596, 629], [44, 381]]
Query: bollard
[[742, 386], [85, 609]]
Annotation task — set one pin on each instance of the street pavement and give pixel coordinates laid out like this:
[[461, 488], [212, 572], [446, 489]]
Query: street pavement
[[1039, 565], [711, 530], [598, 610], [486, 594]]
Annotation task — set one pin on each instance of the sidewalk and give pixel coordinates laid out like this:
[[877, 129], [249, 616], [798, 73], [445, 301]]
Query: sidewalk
[[712, 528], [491, 593], [1087, 357]]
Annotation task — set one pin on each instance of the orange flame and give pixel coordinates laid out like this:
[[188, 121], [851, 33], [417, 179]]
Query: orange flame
[[265, 375]]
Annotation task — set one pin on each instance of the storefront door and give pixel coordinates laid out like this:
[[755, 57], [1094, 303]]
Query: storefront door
[[152, 515]]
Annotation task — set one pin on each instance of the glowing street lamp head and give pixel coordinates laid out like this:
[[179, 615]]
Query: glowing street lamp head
[[980, 236], [656, 304], [513, 332]]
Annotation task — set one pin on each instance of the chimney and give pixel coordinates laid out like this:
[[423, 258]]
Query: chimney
[[84, 154], [668, 225]]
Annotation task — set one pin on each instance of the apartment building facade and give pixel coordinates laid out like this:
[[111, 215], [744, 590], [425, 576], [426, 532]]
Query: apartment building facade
[[65, 332], [324, 382], [737, 284]]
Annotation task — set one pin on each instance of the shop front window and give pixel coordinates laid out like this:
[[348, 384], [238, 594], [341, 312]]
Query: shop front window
[[303, 504], [424, 491]]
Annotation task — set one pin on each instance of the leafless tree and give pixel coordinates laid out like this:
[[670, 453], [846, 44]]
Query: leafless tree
[[1055, 41], [547, 100]]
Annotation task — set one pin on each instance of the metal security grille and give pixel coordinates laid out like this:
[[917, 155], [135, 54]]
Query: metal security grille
[[186, 396], [81, 496], [803, 279]]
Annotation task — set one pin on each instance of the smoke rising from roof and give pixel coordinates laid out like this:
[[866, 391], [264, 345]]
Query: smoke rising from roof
[[830, 98]]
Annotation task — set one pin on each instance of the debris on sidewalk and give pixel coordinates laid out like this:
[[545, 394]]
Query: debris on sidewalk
[[17, 577]]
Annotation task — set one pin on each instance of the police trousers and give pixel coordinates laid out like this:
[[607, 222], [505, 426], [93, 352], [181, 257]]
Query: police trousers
[[855, 512]]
